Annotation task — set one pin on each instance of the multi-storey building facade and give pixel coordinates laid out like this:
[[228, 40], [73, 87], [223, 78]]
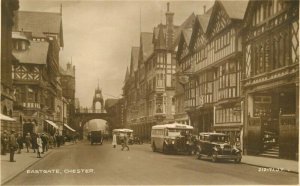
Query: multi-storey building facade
[[150, 90], [35, 71], [240, 74], [7, 92], [213, 61], [68, 92], [271, 77]]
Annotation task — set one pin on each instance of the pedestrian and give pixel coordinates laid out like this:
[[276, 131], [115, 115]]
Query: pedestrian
[[125, 142], [20, 142], [13, 146], [51, 141], [27, 141], [57, 140], [114, 141], [54, 141], [44, 142], [33, 142], [4, 142], [47, 142], [39, 145]]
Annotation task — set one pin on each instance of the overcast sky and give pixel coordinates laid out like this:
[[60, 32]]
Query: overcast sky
[[98, 36]]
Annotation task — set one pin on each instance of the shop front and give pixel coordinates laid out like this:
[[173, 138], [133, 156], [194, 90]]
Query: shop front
[[272, 125], [228, 120]]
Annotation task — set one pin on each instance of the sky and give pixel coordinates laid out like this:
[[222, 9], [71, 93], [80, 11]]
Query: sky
[[98, 36]]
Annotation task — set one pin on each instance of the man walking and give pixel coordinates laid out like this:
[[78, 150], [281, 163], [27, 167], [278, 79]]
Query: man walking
[[125, 142], [12, 145], [44, 143], [20, 142], [33, 142], [27, 141]]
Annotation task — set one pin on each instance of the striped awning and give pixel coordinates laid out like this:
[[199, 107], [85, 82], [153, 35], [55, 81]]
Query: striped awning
[[52, 123], [6, 118], [66, 125]]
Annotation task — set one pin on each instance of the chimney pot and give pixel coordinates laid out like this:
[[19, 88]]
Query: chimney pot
[[204, 8]]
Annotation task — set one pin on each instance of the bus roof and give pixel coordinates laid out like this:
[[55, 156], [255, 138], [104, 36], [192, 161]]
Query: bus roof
[[122, 130], [173, 125]]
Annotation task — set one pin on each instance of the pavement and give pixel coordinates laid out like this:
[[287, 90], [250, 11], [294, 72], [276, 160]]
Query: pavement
[[271, 164], [262, 170], [9, 170]]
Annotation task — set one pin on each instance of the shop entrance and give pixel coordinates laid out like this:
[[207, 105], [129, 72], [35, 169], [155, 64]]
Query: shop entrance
[[272, 126], [28, 128]]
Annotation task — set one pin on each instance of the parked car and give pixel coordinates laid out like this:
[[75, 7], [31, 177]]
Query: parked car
[[96, 137], [216, 146]]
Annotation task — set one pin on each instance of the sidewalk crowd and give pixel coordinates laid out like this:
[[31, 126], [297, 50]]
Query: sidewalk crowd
[[39, 142]]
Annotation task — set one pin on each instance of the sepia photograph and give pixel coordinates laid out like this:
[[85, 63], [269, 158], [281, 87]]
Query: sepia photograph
[[149, 92]]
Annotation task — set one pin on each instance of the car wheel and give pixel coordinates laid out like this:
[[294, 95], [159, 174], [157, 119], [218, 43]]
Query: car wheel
[[198, 155], [238, 160], [153, 147], [214, 156]]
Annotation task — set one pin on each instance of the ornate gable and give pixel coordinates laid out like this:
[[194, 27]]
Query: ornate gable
[[219, 20]]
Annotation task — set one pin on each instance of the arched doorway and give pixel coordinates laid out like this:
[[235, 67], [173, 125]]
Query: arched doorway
[[28, 127]]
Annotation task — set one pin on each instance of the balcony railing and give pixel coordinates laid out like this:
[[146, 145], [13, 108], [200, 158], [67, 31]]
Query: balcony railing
[[30, 105], [278, 73]]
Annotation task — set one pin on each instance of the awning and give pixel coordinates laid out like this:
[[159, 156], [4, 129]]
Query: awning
[[66, 125], [6, 118], [52, 123]]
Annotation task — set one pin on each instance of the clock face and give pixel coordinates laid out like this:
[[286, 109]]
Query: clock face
[[98, 95]]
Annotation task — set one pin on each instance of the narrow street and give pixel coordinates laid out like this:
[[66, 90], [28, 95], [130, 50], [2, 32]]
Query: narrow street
[[140, 166]]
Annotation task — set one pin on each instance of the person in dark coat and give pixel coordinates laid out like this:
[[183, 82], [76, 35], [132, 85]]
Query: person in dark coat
[[4, 142], [44, 143], [13, 146], [33, 142], [20, 142], [27, 141]]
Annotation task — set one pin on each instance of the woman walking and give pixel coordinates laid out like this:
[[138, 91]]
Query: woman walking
[[39, 146], [114, 141]]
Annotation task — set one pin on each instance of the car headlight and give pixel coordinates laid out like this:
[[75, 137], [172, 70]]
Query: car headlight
[[173, 142]]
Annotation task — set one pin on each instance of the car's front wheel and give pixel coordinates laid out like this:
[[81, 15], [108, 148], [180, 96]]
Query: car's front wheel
[[214, 156]]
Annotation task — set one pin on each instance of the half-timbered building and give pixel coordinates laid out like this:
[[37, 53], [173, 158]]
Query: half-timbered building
[[202, 117], [271, 78], [224, 59], [37, 38]]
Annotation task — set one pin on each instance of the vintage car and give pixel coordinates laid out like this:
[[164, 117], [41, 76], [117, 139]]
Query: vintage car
[[96, 137], [216, 146]]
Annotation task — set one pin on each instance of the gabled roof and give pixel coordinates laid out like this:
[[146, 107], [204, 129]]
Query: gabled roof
[[146, 44], [35, 54], [188, 23], [187, 33], [204, 19], [39, 23], [184, 38], [235, 9], [134, 59]]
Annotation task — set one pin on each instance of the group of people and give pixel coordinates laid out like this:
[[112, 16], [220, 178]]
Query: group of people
[[40, 143]]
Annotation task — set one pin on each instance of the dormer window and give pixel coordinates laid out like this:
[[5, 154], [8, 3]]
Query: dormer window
[[21, 45]]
